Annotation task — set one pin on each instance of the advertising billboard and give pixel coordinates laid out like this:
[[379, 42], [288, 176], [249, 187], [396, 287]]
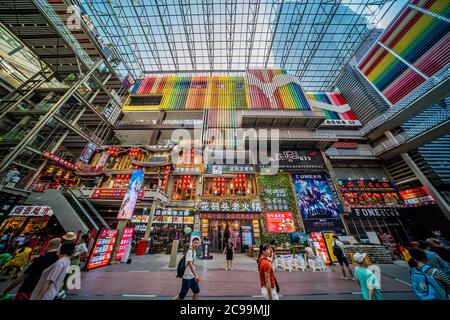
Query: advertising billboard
[[280, 222], [131, 197], [315, 197], [127, 238], [101, 253]]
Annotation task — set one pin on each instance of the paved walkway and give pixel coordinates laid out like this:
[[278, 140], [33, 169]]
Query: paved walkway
[[149, 277]]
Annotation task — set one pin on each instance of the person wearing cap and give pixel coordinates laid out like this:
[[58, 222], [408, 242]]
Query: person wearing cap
[[366, 279], [32, 274]]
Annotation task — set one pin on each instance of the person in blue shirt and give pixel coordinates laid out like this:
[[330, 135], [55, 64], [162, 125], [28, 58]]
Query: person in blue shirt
[[367, 280], [433, 259]]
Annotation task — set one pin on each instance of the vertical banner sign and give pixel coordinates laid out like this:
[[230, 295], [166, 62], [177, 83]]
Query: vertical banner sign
[[328, 236], [130, 199], [127, 238]]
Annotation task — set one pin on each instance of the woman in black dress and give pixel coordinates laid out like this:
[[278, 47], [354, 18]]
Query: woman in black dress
[[229, 252]]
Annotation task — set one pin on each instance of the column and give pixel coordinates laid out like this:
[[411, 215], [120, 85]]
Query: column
[[440, 201], [150, 220]]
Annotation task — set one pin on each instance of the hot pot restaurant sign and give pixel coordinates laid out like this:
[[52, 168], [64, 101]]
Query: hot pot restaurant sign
[[59, 160], [230, 206], [129, 201], [101, 254], [366, 185], [280, 222]]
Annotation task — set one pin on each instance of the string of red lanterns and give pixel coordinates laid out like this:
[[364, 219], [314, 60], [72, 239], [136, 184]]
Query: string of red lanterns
[[134, 152], [112, 151]]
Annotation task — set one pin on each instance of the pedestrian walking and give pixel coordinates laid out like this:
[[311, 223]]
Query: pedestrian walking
[[229, 253], [428, 283], [30, 278], [52, 278], [266, 274], [186, 271], [338, 251], [367, 280], [434, 259]]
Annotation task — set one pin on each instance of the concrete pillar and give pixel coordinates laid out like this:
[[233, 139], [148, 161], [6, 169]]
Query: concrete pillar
[[440, 201], [120, 229], [150, 220]]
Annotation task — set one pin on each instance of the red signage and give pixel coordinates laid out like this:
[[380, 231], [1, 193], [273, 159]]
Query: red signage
[[320, 246], [101, 254], [59, 160], [113, 193], [366, 185], [345, 145], [126, 240], [416, 196], [280, 222]]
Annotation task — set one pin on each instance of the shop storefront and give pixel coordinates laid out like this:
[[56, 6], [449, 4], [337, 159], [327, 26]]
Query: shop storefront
[[31, 220], [230, 219]]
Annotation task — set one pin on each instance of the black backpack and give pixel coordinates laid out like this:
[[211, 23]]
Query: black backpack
[[181, 266], [337, 251]]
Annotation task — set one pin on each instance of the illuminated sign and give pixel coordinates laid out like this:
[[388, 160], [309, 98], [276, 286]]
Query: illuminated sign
[[280, 222], [101, 254], [59, 160], [31, 211], [416, 196], [113, 193], [126, 240], [230, 206], [131, 196]]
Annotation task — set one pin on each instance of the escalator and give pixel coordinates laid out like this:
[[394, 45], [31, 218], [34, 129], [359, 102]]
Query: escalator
[[73, 211]]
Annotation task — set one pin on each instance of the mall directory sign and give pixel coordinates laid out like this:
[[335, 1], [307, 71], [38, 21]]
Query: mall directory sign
[[101, 253]]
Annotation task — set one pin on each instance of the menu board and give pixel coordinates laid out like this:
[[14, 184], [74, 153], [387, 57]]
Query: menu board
[[320, 246], [101, 254], [127, 238], [280, 222], [255, 224], [247, 235]]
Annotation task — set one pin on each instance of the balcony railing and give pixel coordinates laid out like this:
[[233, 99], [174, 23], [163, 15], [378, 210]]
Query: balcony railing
[[333, 152]]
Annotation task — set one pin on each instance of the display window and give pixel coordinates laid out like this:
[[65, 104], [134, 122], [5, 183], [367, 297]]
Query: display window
[[233, 185], [12, 225], [184, 187]]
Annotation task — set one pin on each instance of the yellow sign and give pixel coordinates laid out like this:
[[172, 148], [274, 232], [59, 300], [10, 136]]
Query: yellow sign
[[328, 236]]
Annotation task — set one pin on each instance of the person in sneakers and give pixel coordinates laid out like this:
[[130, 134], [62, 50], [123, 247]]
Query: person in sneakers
[[190, 278], [338, 251]]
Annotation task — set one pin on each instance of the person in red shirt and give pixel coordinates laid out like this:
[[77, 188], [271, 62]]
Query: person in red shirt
[[266, 274]]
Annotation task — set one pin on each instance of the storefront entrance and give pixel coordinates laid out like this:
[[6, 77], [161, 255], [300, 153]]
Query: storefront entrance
[[220, 231]]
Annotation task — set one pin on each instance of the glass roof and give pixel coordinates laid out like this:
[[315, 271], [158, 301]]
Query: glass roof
[[312, 39]]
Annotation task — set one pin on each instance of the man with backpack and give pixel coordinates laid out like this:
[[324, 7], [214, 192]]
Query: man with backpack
[[338, 251], [186, 271], [428, 283]]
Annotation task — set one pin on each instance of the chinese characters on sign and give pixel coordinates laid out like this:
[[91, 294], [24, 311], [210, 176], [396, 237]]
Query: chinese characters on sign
[[59, 160], [280, 222], [31, 211], [230, 206], [298, 159], [113, 193], [102, 249], [126, 240], [174, 216], [275, 199], [366, 185], [230, 216]]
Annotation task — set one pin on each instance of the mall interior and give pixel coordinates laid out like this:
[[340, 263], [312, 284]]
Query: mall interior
[[146, 122]]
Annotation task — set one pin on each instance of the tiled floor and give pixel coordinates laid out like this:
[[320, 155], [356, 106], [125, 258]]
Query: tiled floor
[[150, 277]]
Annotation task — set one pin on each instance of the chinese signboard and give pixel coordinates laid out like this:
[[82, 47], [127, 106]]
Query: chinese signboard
[[230, 206], [320, 246], [139, 218], [275, 199], [113, 193], [297, 159], [230, 216], [416, 196], [31, 211], [131, 197], [126, 240], [101, 254], [173, 216], [225, 168], [366, 185], [280, 222], [188, 170], [59, 160]]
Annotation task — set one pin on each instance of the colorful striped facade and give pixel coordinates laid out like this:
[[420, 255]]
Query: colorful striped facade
[[258, 89], [420, 39], [331, 98]]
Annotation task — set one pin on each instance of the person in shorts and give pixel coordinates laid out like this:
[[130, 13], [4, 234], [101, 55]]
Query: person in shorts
[[190, 278], [266, 274], [338, 251]]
